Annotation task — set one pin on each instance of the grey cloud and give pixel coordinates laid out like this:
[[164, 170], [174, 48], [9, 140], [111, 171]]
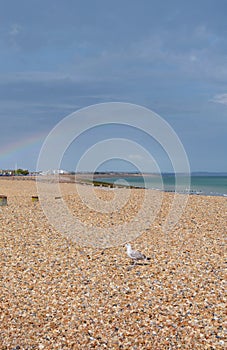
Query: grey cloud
[[220, 98]]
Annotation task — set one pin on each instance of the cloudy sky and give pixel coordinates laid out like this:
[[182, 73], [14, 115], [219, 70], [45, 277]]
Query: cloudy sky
[[60, 56]]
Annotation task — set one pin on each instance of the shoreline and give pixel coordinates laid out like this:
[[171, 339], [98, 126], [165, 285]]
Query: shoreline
[[93, 180]]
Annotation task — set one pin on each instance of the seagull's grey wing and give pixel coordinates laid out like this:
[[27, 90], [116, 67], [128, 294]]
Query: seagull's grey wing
[[137, 255]]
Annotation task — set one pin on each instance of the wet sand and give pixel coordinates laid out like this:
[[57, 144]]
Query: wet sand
[[56, 294]]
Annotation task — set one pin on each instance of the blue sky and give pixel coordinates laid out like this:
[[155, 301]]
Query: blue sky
[[59, 56]]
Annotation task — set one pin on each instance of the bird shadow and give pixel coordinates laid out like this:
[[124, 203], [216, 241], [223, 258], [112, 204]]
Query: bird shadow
[[139, 264]]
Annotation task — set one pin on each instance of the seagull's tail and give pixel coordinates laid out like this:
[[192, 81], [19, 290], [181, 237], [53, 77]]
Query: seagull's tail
[[148, 258]]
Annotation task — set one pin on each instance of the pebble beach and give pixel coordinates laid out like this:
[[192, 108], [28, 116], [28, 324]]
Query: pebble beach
[[57, 294]]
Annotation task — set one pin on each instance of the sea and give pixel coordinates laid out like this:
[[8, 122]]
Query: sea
[[210, 185]]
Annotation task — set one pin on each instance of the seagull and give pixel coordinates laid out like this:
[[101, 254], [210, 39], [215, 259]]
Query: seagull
[[135, 254]]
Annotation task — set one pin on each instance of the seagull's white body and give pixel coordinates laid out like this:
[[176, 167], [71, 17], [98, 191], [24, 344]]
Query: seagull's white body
[[134, 254]]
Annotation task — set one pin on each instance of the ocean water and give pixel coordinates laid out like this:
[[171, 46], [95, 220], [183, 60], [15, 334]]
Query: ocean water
[[204, 185]]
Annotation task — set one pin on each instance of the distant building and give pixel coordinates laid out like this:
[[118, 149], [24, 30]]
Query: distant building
[[54, 172], [10, 172], [6, 172]]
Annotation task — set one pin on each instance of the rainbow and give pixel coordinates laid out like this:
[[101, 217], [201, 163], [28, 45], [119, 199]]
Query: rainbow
[[11, 149]]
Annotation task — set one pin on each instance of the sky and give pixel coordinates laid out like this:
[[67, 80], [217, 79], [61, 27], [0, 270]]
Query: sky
[[57, 57]]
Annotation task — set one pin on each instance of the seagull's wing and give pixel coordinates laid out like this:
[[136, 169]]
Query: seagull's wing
[[137, 255]]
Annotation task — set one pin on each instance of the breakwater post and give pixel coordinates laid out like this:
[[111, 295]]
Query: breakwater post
[[35, 198], [3, 200]]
